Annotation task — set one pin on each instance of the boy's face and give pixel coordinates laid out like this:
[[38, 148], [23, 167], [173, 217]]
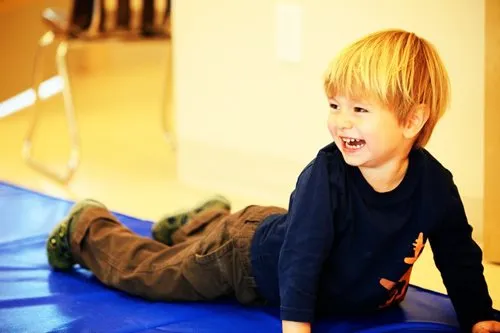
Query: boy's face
[[367, 133]]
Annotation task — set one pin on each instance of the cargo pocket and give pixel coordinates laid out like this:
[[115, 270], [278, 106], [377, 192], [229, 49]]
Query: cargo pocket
[[211, 265], [204, 257]]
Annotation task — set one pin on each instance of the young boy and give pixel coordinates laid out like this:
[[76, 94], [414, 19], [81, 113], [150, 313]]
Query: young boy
[[358, 219]]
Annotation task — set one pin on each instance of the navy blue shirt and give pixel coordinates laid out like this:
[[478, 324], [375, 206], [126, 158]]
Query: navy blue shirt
[[345, 248]]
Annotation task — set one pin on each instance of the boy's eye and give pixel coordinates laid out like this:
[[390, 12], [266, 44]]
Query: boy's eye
[[334, 106], [361, 110]]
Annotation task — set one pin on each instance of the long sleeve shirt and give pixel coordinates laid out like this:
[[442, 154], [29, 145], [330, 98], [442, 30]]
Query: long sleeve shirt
[[342, 247]]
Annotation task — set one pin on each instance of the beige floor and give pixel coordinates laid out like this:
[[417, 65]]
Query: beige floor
[[126, 161]]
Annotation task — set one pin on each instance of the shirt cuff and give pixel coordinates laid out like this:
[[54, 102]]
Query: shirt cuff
[[298, 315]]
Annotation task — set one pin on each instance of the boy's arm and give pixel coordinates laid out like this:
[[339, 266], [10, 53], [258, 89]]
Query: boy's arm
[[307, 243], [459, 259]]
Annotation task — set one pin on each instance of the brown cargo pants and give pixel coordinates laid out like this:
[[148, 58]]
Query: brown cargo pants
[[210, 257]]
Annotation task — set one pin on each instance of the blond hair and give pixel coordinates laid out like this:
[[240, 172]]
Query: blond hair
[[399, 69]]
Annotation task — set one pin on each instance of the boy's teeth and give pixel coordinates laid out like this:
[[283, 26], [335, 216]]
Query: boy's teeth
[[353, 143], [350, 139]]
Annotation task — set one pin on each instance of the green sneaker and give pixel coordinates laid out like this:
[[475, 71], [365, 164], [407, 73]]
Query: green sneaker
[[58, 245], [163, 230]]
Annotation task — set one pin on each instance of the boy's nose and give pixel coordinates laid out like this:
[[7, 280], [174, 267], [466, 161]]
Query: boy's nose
[[344, 122]]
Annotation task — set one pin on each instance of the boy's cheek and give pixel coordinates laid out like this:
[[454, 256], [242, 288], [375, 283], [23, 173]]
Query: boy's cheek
[[332, 129]]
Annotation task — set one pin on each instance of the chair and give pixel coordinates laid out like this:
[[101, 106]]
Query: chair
[[91, 20]]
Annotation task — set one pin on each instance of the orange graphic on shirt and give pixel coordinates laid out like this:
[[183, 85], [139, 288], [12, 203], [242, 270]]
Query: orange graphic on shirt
[[418, 247], [397, 290]]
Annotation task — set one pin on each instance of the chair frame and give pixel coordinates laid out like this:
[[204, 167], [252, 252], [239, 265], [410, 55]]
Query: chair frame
[[63, 37]]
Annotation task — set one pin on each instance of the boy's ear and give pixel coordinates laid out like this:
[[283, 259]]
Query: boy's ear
[[415, 121]]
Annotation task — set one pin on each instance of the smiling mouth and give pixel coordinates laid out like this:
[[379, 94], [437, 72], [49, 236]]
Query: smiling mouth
[[352, 143]]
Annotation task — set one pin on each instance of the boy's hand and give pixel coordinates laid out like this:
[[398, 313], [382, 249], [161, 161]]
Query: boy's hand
[[490, 326], [296, 327]]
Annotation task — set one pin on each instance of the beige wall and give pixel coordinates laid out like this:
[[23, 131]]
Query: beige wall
[[233, 95], [492, 133], [248, 122]]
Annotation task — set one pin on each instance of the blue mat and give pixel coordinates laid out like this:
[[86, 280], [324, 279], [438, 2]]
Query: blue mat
[[35, 299]]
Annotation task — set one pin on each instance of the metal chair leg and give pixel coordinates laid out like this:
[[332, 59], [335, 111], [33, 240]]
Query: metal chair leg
[[74, 158], [169, 137]]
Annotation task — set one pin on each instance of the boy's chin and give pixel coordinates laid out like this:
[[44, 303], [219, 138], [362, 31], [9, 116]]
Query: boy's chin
[[352, 161]]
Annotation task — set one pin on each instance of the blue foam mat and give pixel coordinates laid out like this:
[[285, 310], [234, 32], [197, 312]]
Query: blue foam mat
[[35, 299]]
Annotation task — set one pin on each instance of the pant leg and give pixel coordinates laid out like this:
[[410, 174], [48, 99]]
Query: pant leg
[[138, 265], [214, 264]]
